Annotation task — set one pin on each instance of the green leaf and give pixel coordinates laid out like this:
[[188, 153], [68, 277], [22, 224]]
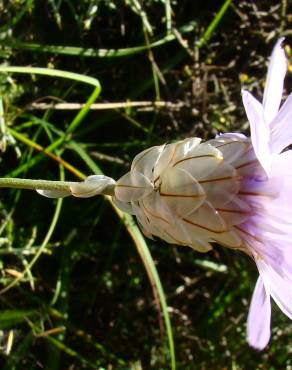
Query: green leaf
[[10, 318]]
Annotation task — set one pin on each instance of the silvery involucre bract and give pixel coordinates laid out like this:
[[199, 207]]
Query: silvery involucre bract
[[191, 193]]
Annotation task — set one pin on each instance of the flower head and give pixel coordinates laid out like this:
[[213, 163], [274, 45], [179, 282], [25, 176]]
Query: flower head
[[232, 190]]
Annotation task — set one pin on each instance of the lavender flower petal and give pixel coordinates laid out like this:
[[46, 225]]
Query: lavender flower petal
[[281, 128], [274, 83], [259, 317], [279, 287], [259, 130]]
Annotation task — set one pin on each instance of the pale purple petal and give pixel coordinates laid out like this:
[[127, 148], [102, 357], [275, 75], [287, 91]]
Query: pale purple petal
[[274, 83], [259, 130], [281, 128], [279, 286], [259, 317], [282, 164]]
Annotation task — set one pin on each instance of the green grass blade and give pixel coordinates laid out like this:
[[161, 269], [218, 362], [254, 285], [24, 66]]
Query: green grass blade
[[94, 53], [12, 317], [82, 113], [52, 73], [19, 352], [75, 122], [72, 353], [85, 157], [41, 249], [168, 15], [19, 15], [153, 275], [213, 25]]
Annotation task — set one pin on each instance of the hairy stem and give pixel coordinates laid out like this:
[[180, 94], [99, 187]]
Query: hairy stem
[[35, 184], [46, 185]]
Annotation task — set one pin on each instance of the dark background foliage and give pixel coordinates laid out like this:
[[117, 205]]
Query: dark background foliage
[[92, 305]]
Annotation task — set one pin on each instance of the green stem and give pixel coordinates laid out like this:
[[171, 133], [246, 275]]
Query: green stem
[[35, 184], [63, 186]]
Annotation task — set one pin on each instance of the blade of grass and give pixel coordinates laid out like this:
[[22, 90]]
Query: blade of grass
[[62, 74], [153, 275], [18, 353], [138, 9], [168, 15], [72, 353], [34, 160], [174, 61], [94, 53], [41, 249], [213, 25], [63, 347], [14, 20], [53, 73], [12, 317], [154, 67], [77, 119], [56, 314]]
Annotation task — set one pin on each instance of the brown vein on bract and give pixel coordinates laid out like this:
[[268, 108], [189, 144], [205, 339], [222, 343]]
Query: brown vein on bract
[[175, 150], [229, 142], [195, 157], [220, 179], [153, 215], [182, 195], [232, 211], [246, 164], [246, 144], [157, 178], [130, 186], [204, 227]]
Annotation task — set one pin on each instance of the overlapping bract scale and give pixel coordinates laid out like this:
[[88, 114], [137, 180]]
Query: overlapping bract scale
[[145, 161], [222, 185], [199, 162], [133, 186], [231, 150], [180, 192]]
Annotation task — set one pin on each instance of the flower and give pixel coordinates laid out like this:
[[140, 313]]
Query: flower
[[232, 190]]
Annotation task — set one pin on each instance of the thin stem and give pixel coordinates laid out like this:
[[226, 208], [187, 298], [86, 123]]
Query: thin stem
[[63, 186], [35, 184]]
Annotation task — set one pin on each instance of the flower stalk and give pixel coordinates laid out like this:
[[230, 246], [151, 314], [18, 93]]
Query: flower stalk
[[52, 187], [35, 184]]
